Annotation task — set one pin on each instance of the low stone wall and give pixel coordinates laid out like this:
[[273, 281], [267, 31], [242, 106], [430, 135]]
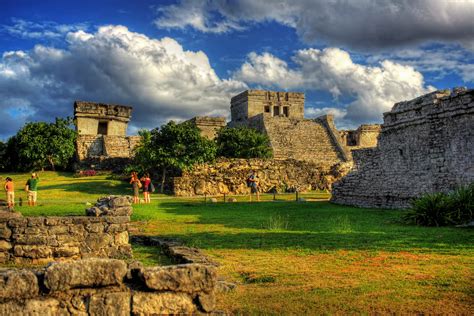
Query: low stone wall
[[228, 176], [108, 287], [36, 240]]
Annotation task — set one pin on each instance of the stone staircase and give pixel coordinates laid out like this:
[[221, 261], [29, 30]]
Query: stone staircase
[[305, 140]]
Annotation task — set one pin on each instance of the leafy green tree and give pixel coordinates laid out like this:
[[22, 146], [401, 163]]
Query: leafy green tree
[[42, 144], [143, 154], [3, 156], [243, 142], [179, 146]]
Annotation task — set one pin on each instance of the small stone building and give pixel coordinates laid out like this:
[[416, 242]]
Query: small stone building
[[364, 136], [102, 140], [208, 125], [425, 145]]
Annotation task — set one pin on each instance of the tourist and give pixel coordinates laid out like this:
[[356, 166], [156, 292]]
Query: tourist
[[146, 181], [31, 188], [252, 182], [136, 184], [10, 189]]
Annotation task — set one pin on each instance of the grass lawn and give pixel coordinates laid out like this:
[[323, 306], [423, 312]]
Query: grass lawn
[[297, 257]]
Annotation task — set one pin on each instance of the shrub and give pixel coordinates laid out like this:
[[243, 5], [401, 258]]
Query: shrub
[[441, 209]]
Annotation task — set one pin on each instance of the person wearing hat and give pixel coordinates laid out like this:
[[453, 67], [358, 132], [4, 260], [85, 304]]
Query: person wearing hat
[[31, 188]]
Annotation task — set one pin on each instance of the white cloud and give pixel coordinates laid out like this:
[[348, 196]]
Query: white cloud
[[373, 89], [362, 23], [40, 30], [158, 77]]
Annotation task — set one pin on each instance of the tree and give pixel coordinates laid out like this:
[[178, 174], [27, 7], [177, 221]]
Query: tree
[[143, 154], [3, 155], [243, 142], [42, 144], [173, 146]]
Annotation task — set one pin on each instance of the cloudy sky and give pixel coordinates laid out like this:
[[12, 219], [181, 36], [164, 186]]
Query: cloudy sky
[[178, 59]]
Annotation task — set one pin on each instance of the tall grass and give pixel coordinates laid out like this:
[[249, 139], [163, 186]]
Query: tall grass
[[443, 209]]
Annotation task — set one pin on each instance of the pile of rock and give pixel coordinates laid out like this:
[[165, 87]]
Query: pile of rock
[[112, 206], [107, 287]]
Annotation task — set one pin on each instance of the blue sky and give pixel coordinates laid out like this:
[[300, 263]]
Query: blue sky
[[178, 59]]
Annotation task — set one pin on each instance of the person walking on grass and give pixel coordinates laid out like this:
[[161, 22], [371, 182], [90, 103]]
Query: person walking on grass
[[31, 188], [10, 190], [146, 181], [252, 182], [136, 185]]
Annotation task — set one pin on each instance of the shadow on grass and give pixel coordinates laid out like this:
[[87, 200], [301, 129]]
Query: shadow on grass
[[84, 185], [313, 225]]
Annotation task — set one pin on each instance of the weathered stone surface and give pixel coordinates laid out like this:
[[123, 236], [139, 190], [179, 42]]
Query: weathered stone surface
[[84, 273], [208, 125], [110, 304], [229, 176], [426, 145], [111, 206], [189, 278], [207, 301], [18, 283], [162, 304]]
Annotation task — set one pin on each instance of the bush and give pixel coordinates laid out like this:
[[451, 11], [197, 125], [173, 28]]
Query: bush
[[242, 142], [441, 209]]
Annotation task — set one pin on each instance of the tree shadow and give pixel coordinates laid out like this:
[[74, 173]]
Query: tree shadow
[[90, 187], [310, 225]]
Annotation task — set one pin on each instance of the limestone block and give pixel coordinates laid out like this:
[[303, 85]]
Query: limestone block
[[119, 201], [121, 238], [44, 307], [98, 241], [110, 304], [5, 245], [84, 273], [5, 232], [189, 278], [18, 284], [162, 304], [66, 251], [32, 251]]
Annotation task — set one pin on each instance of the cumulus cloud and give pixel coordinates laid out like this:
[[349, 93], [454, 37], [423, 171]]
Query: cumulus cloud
[[113, 65], [363, 23], [372, 89]]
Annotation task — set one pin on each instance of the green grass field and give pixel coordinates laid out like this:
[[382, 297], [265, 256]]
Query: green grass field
[[295, 257]]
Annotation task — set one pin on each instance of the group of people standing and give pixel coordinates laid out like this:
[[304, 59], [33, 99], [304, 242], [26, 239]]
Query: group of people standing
[[143, 183], [31, 187]]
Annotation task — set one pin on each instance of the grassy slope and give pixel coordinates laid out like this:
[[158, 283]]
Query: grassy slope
[[298, 258]]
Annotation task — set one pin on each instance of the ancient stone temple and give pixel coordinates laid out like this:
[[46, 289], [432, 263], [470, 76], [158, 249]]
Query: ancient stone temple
[[425, 145], [280, 115], [102, 139]]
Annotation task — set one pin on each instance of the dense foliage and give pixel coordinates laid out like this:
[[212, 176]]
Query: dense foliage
[[242, 142], [40, 145], [441, 209], [173, 146], [3, 151]]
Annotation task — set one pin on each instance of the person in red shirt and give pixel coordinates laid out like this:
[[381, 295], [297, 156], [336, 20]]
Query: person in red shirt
[[146, 187], [10, 189]]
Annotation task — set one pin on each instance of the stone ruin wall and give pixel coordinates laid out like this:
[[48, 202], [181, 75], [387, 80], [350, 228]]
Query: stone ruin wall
[[98, 286], [209, 126], [426, 145], [108, 287], [228, 176], [40, 239]]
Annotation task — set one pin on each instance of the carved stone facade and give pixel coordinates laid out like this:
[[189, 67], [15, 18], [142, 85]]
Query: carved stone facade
[[101, 141], [208, 125], [426, 145], [253, 102]]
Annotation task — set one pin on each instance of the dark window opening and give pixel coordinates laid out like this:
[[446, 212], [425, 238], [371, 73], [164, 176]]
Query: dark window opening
[[285, 111], [276, 111], [102, 130], [267, 109]]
